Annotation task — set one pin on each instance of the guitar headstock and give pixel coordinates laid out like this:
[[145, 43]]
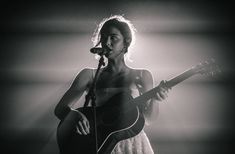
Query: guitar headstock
[[208, 67]]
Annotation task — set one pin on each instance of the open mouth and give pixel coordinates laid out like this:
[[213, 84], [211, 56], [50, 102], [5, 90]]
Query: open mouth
[[108, 51]]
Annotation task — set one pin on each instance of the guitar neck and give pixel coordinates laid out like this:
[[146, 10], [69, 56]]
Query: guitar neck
[[170, 83], [179, 78]]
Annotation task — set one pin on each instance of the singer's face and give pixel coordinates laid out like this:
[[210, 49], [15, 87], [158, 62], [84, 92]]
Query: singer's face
[[113, 41]]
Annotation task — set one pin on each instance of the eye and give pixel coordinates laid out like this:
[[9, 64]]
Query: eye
[[114, 37]]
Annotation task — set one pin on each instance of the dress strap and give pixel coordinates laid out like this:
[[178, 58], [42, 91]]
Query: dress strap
[[93, 74]]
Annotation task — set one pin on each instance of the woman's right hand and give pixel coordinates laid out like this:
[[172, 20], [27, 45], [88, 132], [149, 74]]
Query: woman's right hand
[[82, 125]]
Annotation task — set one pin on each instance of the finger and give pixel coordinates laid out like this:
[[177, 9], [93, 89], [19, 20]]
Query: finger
[[78, 131], [167, 89], [163, 90], [162, 83], [158, 97], [162, 95], [88, 126], [82, 128], [84, 124]]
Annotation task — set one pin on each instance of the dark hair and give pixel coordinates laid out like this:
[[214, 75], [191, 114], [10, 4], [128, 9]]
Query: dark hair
[[119, 22]]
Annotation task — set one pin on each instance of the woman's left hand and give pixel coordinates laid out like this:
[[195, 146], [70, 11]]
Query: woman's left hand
[[162, 93]]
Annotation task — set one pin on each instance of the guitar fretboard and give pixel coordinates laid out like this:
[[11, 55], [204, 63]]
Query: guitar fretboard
[[170, 83]]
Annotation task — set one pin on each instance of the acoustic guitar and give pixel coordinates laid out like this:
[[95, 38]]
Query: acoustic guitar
[[120, 118]]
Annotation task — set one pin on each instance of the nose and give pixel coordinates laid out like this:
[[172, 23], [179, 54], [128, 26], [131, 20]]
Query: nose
[[108, 42]]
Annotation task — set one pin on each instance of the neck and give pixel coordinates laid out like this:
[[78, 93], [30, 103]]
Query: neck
[[116, 65]]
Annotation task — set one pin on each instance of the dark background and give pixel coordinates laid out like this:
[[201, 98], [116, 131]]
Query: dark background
[[45, 44]]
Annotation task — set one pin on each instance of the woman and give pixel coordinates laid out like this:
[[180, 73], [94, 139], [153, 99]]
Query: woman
[[115, 35]]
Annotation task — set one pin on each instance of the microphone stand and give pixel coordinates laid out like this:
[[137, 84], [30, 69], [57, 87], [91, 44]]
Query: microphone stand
[[91, 97]]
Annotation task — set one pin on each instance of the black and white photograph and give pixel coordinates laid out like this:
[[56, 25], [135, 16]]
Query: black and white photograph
[[117, 77]]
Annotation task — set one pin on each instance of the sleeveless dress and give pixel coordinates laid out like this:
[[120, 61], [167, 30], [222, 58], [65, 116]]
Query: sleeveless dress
[[138, 144]]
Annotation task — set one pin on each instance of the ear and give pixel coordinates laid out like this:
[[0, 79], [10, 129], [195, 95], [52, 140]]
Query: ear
[[126, 45], [127, 42], [125, 49]]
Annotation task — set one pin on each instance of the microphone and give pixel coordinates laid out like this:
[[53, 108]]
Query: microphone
[[99, 51]]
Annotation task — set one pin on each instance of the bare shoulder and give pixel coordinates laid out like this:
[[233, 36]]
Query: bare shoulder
[[86, 72], [142, 73], [84, 77], [147, 73], [144, 78]]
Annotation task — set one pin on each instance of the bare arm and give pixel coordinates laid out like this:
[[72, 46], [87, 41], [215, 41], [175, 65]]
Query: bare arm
[[71, 96], [151, 109]]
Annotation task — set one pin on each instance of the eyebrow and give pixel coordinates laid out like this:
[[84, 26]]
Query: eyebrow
[[113, 34]]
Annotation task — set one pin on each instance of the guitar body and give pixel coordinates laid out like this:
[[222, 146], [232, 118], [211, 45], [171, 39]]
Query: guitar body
[[117, 120]]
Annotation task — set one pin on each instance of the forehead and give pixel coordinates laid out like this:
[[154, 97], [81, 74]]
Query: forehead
[[111, 30]]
